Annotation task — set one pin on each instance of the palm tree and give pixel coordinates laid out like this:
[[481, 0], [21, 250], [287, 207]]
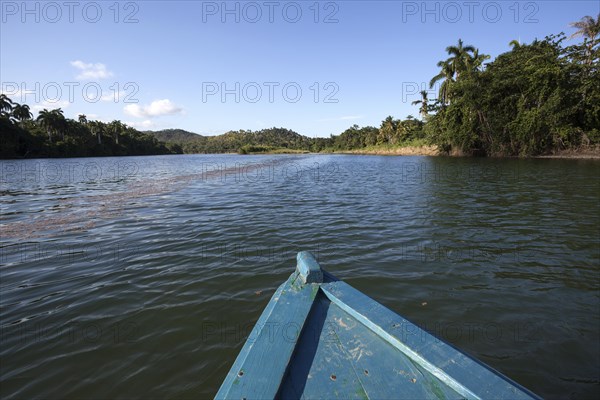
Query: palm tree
[[459, 57], [463, 59], [5, 105], [60, 122], [82, 119], [46, 119], [447, 74], [515, 44], [96, 129], [116, 127], [54, 122], [588, 28], [423, 102], [21, 112], [475, 62], [387, 130]]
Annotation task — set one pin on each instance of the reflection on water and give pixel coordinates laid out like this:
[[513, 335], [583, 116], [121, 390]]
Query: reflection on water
[[142, 276]]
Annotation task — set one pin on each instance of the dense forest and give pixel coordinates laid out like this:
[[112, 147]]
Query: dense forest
[[391, 132], [237, 141], [537, 98], [53, 135]]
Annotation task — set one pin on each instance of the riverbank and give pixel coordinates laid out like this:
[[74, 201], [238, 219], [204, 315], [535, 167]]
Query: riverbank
[[394, 151], [592, 152], [373, 150], [430, 150]]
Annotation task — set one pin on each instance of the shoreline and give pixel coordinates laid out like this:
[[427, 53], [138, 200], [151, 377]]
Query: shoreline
[[393, 151], [427, 150], [432, 151], [581, 154]]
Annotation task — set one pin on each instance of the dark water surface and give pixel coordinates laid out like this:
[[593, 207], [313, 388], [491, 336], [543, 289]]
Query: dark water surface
[[140, 277]]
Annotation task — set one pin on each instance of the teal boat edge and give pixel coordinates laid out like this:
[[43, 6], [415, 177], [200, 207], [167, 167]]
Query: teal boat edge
[[318, 337]]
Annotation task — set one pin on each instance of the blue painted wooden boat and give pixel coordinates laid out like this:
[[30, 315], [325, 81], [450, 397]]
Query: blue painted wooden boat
[[319, 338]]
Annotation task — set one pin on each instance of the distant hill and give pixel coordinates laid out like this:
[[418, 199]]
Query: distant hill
[[235, 141], [174, 135]]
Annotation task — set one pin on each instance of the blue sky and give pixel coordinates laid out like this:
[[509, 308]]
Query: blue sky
[[210, 67]]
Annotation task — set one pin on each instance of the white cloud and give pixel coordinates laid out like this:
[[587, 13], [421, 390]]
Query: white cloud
[[91, 71], [51, 105], [115, 97], [155, 109], [25, 97], [20, 96], [146, 124]]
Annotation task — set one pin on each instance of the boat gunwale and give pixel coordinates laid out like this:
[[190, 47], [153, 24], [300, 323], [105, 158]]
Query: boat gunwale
[[454, 368]]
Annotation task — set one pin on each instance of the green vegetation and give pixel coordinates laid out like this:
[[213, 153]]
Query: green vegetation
[[535, 99], [253, 149], [391, 133], [279, 140], [53, 135], [258, 149], [272, 140]]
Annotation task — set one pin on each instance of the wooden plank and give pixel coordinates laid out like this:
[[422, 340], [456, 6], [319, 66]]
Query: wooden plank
[[308, 268], [350, 347], [345, 359], [259, 368], [459, 372], [319, 367], [384, 371]]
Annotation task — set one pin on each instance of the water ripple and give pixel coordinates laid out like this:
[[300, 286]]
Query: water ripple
[[146, 284]]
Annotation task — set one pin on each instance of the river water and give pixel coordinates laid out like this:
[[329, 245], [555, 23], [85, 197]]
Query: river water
[[140, 277]]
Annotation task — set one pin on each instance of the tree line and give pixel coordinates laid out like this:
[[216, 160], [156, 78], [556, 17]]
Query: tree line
[[537, 98], [391, 132], [51, 134]]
